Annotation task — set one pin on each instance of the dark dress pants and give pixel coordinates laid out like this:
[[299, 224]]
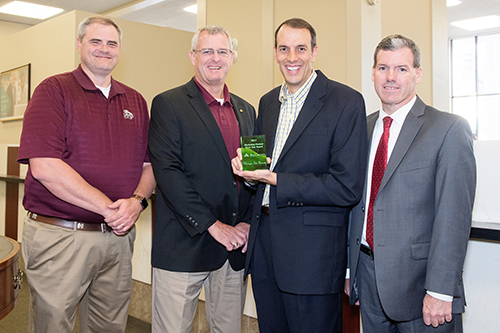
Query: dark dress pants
[[282, 312]]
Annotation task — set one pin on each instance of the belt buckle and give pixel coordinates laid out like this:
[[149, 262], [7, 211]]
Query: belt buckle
[[103, 228], [366, 250]]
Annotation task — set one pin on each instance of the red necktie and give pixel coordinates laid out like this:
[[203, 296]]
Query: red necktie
[[377, 173]]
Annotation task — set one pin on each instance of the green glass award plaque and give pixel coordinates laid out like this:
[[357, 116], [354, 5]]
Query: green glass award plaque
[[253, 151]]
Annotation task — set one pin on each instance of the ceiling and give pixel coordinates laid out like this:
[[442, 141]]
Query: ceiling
[[165, 13], [471, 9], [170, 13]]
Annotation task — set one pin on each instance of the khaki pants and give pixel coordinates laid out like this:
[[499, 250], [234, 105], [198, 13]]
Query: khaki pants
[[67, 268], [175, 298]]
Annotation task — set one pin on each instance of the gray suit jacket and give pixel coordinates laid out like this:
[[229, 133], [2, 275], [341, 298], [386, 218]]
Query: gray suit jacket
[[422, 213]]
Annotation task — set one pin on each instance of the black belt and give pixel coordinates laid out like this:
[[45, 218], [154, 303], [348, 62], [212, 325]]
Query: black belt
[[264, 210], [366, 250], [102, 227]]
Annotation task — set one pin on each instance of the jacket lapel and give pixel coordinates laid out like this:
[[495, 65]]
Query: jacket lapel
[[270, 123], [201, 108], [242, 120], [409, 131], [370, 125], [311, 107]]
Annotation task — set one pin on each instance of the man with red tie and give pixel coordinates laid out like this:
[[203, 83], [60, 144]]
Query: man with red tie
[[408, 235]]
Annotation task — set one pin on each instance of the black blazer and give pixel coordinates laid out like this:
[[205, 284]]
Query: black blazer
[[196, 185], [321, 173]]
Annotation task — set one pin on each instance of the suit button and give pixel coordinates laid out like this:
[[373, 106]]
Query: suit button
[[195, 224], [363, 209], [234, 214], [357, 241], [234, 184], [257, 217]]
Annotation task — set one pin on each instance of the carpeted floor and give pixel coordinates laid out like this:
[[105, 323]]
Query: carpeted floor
[[17, 320]]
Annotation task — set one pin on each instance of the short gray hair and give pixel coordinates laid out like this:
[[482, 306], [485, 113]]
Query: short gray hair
[[396, 42], [82, 27], [211, 30]]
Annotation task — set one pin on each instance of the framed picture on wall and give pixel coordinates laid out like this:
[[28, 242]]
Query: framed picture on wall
[[14, 92]]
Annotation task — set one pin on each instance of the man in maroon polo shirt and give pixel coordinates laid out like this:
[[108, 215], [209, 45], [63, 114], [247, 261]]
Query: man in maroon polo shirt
[[201, 224], [85, 140]]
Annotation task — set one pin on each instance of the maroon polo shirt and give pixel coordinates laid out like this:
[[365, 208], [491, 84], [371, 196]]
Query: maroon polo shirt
[[103, 139], [225, 118]]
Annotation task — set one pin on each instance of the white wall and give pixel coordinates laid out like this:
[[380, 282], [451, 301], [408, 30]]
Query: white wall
[[482, 264], [482, 287], [488, 182]]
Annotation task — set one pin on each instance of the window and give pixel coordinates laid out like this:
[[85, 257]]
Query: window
[[475, 83]]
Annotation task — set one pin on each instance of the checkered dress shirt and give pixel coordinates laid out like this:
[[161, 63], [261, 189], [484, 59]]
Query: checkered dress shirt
[[291, 104]]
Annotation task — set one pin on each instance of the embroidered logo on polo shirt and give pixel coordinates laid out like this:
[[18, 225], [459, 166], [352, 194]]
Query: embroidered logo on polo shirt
[[127, 114]]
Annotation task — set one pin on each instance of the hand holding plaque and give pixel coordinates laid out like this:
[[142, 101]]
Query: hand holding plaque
[[253, 152]]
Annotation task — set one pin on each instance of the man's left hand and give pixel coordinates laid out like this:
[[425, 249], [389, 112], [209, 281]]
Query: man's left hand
[[126, 213], [231, 237], [436, 311], [245, 228]]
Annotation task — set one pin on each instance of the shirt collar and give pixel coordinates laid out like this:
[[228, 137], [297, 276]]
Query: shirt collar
[[209, 98], [400, 115], [86, 83], [299, 94]]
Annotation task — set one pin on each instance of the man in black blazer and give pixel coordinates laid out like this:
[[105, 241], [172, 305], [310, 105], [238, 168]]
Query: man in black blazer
[[202, 212], [407, 275], [297, 243]]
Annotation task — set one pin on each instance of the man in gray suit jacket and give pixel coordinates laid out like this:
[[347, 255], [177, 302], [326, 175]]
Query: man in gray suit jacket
[[408, 239]]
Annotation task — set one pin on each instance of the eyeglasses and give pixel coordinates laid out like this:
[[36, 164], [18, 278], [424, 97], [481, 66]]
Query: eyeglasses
[[210, 52]]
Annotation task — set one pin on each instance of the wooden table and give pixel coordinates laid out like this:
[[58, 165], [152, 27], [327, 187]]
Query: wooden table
[[10, 275]]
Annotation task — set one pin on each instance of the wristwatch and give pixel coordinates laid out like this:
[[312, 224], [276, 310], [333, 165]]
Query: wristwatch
[[142, 200]]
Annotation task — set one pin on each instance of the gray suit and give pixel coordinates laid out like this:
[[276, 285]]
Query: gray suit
[[422, 214]]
